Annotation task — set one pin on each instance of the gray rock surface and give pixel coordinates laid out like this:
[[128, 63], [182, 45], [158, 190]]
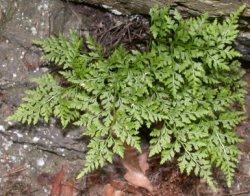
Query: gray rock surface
[[27, 152], [215, 8]]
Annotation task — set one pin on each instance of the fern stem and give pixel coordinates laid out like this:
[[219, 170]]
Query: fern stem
[[191, 156], [223, 147]]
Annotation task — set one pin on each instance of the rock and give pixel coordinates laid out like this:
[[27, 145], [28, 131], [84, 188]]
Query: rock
[[20, 23], [245, 167], [242, 44], [194, 7], [215, 8]]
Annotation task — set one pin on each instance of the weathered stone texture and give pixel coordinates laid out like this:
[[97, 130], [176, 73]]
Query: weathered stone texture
[[215, 8]]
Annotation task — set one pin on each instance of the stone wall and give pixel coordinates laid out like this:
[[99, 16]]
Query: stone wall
[[215, 8]]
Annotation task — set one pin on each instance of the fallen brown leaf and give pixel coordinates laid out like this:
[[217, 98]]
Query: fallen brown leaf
[[109, 190], [143, 162], [68, 189], [136, 168], [119, 184], [56, 187], [119, 193], [137, 178]]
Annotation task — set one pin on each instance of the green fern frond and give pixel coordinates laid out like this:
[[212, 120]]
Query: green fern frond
[[60, 50], [188, 82], [39, 102]]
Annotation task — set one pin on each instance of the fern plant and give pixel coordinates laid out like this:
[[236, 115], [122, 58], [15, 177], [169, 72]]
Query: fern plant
[[189, 81]]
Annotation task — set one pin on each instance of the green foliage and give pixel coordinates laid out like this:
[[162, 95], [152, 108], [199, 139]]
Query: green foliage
[[189, 81]]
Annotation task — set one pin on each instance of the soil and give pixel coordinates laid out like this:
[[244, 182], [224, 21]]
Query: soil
[[31, 157]]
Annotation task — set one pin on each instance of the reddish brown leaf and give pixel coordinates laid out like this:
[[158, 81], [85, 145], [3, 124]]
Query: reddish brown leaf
[[56, 187], [68, 189], [131, 157], [143, 162], [109, 190], [137, 178], [136, 169], [119, 184], [119, 193]]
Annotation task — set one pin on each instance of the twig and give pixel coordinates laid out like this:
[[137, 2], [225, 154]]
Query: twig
[[240, 193], [15, 170]]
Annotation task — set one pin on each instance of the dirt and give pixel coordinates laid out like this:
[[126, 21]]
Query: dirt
[[32, 156]]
